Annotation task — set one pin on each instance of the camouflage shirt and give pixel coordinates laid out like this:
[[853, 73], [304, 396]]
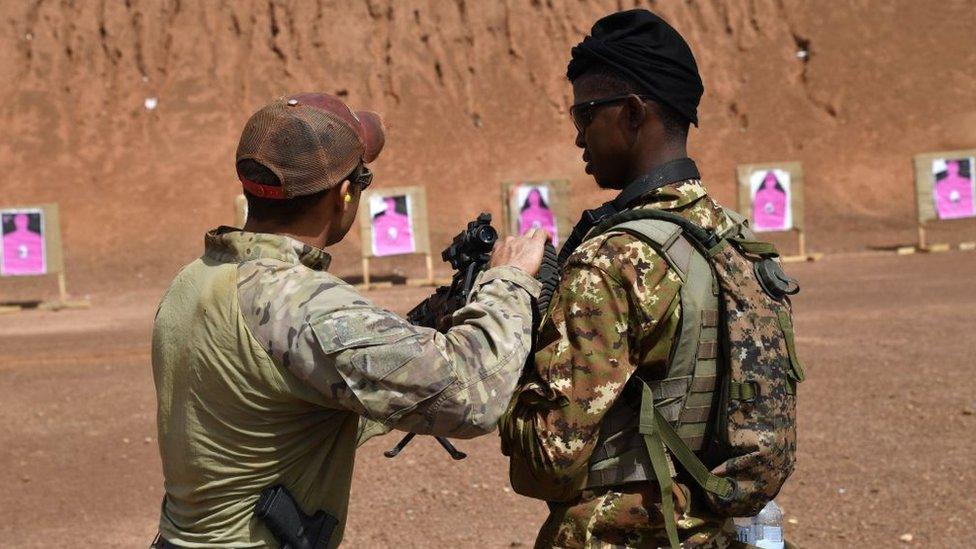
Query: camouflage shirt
[[264, 364], [616, 310]]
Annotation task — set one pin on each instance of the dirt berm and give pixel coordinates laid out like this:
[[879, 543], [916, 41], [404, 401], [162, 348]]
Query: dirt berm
[[473, 92]]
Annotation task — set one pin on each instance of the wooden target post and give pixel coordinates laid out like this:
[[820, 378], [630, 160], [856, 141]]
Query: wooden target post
[[945, 191], [393, 222], [771, 198], [538, 203], [30, 246]]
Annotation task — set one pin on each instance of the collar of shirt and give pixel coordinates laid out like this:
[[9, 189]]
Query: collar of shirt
[[231, 245], [675, 196]]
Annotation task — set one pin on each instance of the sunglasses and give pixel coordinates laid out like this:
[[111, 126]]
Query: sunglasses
[[582, 112], [361, 177]]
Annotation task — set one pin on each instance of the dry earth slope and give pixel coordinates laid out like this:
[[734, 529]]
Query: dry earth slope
[[473, 92]]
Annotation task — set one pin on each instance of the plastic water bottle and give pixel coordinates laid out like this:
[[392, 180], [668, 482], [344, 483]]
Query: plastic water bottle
[[764, 530], [743, 530], [768, 527]]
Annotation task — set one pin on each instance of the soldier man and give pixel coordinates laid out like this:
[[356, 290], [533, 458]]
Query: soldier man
[[615, 312], [265, 364]]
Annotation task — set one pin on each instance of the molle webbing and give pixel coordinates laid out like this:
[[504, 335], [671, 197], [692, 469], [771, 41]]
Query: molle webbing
[[694, 358], [685, 397], [659, 438], [619, 456]]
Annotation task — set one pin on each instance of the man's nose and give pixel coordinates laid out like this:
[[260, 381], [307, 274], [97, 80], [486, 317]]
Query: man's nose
[[581, 139]]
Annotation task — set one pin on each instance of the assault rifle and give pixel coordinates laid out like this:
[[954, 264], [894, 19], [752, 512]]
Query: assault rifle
[[468, 254]]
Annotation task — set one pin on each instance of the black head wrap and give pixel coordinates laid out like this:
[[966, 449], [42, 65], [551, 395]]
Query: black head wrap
[[644, 48]]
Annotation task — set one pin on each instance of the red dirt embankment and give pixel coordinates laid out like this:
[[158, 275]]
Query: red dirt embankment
[[473, 92]]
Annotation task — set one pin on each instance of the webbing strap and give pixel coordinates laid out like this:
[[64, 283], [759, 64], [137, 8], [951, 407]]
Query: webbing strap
[[659, 462], [755, 247], [707, 350], [742, 391], [680, 252], [721, 487], [672, 387], [692, 430], [660, 436], [670, 411], [787, 326], [703, 384], [709, 318], [696, 414]]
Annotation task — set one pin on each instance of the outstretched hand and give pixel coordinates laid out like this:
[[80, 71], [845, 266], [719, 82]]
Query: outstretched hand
[[523, 252]]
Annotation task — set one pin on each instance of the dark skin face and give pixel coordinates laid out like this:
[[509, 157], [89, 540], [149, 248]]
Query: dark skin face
[[624, 140]]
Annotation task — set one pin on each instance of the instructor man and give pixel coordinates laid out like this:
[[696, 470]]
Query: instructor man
[[266, 365], [572, 432]]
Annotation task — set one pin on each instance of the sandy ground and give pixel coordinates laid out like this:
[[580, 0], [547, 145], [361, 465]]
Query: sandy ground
[[886, 423]]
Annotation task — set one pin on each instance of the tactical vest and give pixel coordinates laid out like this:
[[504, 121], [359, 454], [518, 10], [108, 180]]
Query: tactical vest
[[685, 397], [726, 410]]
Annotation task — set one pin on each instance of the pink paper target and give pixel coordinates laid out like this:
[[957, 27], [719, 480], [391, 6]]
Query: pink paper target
[[534, 210], [23, 243], [771, 206], [954, 188], [392, 227]]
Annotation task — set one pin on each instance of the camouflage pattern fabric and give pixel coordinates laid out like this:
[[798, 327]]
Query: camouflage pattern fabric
[[370, 361], [616, 309], [761, 431], [630, 517], [269, 370]]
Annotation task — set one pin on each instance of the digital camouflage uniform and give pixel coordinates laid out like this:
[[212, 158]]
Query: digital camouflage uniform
[[265, 364], [616, 310]]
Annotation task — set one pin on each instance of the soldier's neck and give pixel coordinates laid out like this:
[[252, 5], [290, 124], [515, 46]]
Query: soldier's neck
[[649, 159], [312, 234]]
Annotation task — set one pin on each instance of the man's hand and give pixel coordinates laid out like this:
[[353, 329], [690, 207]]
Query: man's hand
[[524, 252]]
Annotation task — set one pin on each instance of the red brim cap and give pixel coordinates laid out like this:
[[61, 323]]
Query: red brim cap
[[373, 134]]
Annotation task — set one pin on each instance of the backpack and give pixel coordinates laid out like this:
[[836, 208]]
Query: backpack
[[727, 410]]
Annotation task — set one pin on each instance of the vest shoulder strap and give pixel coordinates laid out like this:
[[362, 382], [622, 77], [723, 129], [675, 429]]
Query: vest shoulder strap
[[741, 227], [665, 238], [695, 354]]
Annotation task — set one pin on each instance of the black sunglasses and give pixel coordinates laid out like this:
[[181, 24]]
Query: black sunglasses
[[582, 112], [361, 176]]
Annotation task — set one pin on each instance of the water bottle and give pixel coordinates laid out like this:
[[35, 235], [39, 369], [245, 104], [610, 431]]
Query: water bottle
[[768, 527], [743, 530], [764, 530]]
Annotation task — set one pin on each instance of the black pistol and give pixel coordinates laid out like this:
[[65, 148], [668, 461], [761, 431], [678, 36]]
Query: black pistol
[[294, 529]]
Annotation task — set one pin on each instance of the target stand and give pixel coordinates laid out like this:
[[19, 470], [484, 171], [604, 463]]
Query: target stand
[[945, 192], [771, 197], [393, 222], [543, 204], [30, 246]]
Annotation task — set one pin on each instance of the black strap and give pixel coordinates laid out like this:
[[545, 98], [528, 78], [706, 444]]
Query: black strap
[[703, 238], [665, 174]]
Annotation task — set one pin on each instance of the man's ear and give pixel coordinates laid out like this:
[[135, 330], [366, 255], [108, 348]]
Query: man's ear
[[637, 112], [345, 194]]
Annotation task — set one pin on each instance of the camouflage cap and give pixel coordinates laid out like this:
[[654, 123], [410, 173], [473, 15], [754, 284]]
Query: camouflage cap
[[310, 141]]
